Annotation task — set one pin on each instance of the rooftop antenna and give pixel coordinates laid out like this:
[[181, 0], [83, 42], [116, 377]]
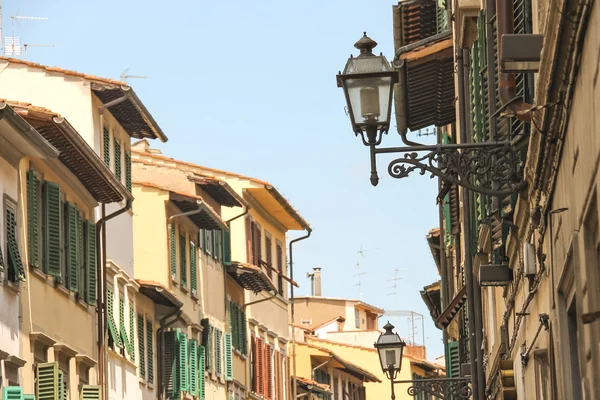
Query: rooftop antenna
[[359, 284], [124, 76], [12, 44], [34, 45], [395, 284], [360, 253]]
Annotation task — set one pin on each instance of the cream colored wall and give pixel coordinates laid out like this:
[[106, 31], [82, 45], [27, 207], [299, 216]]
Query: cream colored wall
[[319, 311], [9, 299], [362, 338]]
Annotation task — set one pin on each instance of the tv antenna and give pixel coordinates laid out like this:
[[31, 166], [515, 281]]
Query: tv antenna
[[395, 284], [124, 76], [34, 45], [12, 44], [360, 253], [359, 284]]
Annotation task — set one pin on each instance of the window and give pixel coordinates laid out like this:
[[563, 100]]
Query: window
[[239, 329], [113, 333], [542, 374], [253, 240], [253, 364], [149, 350], [218, 353], [357, 318], [13, 257], [208, 242], [84, 375], [279, 260], [117, 151], [182, 258], [193, 268], [183, 362], [269, 254], [106, 145], [145, 336], [63, 372]]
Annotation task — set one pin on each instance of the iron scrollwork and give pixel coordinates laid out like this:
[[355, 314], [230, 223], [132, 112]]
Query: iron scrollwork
[[492, 169], [443, 388]]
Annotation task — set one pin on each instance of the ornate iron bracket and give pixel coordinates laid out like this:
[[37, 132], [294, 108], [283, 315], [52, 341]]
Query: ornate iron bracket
[[490, 168], [441, 388]]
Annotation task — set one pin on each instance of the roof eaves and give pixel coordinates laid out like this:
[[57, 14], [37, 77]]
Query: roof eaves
[[27, 131], [288, 207]]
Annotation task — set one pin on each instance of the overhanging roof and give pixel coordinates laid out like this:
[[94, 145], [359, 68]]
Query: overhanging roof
[[453, 308], [75, 153], [414, 20], [433, 239], [218, 190], [349, 367], [312, 386], [278, 207], [431, 295], [158, 294], [250, 277]]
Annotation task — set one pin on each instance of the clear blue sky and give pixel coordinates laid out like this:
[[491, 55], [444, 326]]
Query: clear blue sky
[[250, 87]]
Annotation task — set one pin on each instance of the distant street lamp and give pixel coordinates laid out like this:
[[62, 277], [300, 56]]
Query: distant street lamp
[[390, 348], [491, 168]]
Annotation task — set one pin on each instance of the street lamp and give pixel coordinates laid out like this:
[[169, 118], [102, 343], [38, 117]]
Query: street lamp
[[368, 82], [390, 348], [491, 168]]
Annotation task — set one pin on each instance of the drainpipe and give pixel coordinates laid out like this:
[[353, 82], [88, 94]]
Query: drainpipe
[[261, 300], [312, 375], [161, 342], [187, 213], [308, 232], [101, 292]]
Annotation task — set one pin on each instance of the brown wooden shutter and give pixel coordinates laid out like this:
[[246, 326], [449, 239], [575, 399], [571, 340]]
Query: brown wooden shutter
[[269, 363], [249, 240], [288, 377], [269, 257], [256, 242], [253, 364], [260, 366], [278, 376]]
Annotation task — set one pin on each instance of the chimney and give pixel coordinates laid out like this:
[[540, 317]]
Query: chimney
[[317, 281]]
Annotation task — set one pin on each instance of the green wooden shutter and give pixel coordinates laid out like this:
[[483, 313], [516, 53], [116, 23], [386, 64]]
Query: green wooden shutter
[[72, 267], [201, 368], [452, 360], [169, 364], [46, 384], [117, 159], [12, 393], [52, 224], [215, 235], [150, 351], [173, 248], [193, 366], [226, 247], [182, 362], [112, 329], [91, 392], [193, 272], [106, 146], [29, 397], [62, 389], [201, 239], [244, 330], [218, 353], [141, 346], [90, 264], [210, 348], [15, 265], [132, 332], [122, 329], [208, 247], [228, 358], [81, 262], [182, 260], [128, 171], [33, 218]]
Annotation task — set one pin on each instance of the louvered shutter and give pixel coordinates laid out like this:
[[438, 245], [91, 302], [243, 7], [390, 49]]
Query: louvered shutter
[[208, 242], [279, 255], [201, 369], [210, 348], [269, 364], [15, 265], [452, 360], [269, 256], [90, 265], [256, 241], [72, 247], [46, 384], [132, 332], [183, 362], [91, 392], [52, 224], [150, 351], [33, 218], [206, 342], [244, 331], [201, 239], [226, 247], [249, 247], [182, 259], [29, 397], [169, 364], [254, 364], [193, 366], [173, 251], [260, 366], [112, 328], [193, 272], [106, 146], [141, 346], [122, 328], [228, 357], [63, 392], [279, 375], [215, 241], [117, 146], [12, 393], [128, 171], [218, 352], [288, 379], [81, 261]]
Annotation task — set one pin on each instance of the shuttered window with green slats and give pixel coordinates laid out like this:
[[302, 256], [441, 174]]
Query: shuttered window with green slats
[[33, 218], [218, 353], [132, 332], [150, 351], [110, 317], [216, 240], [46, 382], [52, 229], [169, 365], [238, 328], [63, 390], [182, 259], [226, 247], [106, 146], [193, 366], [201, 239], [122, 329], [228, 357], [90, 263], [12, 393], [72, 278], [117, 146], [173, 251], [193, 269], [29, 397], [128, 171], [91, 392], [208, 243], [201, 369], [452, 360], [183, 361], [16, 271], [141, 346]]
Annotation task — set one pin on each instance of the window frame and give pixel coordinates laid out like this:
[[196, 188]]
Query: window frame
[[357, 318]]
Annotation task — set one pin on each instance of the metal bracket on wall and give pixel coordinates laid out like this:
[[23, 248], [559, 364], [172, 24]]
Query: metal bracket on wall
[[442, 388]]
